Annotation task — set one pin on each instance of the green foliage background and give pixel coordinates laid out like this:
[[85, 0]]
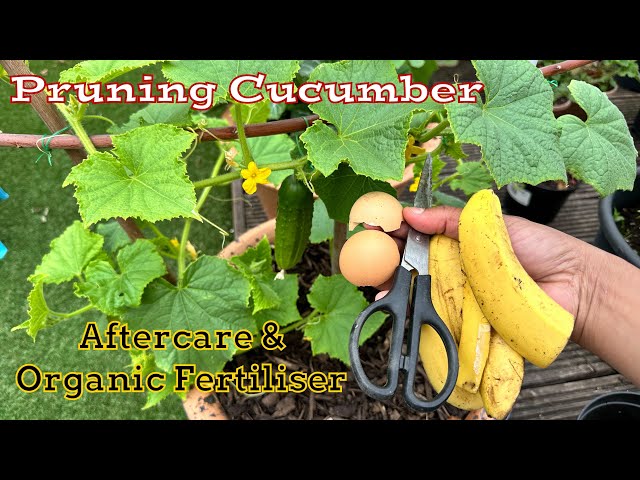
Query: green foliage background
[[34, 187]]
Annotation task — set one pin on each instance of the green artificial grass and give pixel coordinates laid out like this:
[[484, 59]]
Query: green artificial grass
[[39, 210]]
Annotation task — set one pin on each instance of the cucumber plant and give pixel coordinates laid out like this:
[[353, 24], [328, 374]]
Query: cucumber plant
[[351, 149]]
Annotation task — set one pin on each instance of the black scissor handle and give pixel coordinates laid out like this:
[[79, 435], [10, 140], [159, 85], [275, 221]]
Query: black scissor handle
[[395, 303], [424, 313]]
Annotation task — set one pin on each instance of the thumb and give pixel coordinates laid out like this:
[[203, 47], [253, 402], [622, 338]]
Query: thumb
[[436, 220]]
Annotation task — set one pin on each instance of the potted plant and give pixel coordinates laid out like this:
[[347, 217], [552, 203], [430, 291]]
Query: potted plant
[[165, 284], [538, 203], [629, 82], [619, 232], [541, 203], [602, 74]]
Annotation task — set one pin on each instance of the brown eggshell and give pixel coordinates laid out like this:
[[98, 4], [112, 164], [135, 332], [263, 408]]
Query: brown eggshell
[[369, 258], [378, 209]]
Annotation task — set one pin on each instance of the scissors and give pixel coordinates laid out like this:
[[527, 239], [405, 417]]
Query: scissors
[[413, 294]]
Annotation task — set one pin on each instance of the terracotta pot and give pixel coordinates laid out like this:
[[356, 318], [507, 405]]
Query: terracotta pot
[[195, 405], [268, 193], [562, 108]]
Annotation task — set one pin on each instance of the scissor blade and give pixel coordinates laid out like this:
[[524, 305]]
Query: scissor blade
[[423, 194], [416, 252]]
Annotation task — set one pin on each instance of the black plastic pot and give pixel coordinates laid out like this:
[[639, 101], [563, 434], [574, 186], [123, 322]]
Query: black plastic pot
[[628, 82], [609, 237], [539, 203], [613, 406]]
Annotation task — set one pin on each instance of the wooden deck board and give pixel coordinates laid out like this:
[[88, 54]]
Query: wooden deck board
[[564, 400]]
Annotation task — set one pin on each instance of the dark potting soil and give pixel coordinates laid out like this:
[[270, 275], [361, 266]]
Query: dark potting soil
[[630, 226], [352, 403]]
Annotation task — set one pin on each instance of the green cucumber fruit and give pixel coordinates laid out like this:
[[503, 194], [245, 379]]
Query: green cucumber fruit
[[293, 222]]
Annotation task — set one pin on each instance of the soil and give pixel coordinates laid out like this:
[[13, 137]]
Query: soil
[[630, 227], [352, 403]]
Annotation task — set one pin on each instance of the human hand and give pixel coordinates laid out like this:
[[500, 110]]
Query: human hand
[[597, 288], [552, 258]]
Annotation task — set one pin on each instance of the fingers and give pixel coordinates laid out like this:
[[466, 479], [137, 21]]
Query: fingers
[[399, 236], [442, 220], [381, 294], [436, 220], [400, 233]]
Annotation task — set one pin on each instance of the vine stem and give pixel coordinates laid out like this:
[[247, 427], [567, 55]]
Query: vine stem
[[77, 127], [434, 132], [445, 180], [244, 146], [231, 176], [80, 311], [100, 117], [186, 230], [293, 326]]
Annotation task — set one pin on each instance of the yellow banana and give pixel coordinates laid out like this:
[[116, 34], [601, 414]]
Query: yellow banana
[[434, 361], [447, 280], [518, 309], [474, 342], [502, 377]]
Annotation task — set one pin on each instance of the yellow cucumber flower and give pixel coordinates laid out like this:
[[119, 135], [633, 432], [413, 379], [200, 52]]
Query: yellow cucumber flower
[[254, 175], [414, 186], [412, 149], [190, 249]]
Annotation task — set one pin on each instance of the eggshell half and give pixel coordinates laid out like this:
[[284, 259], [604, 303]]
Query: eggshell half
[[369, 258], [378, 209]]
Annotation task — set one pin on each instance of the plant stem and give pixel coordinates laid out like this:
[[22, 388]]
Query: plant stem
[[187, 223], [100, 117], [182, 249], [445, 180], [231, 176], [214, 173], [155, 230], [303, 321], [77, 127], [416, 131], [237, 116], [434, 132], [417, 158], [86, 308], [339, 239]]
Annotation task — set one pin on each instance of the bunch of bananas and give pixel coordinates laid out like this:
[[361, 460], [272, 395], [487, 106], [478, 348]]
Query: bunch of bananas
[[496, 312]]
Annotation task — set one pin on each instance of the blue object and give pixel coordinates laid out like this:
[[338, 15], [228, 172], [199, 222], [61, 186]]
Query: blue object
[[3, 250]]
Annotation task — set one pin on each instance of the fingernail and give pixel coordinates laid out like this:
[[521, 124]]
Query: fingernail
[[416, 210], [380, 295]]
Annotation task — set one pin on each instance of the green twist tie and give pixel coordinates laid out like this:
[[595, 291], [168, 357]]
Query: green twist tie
[[46, 140], [553, 83]]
